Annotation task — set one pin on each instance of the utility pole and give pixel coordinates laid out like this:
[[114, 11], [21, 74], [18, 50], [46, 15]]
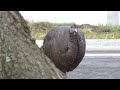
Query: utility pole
[[113, 18]]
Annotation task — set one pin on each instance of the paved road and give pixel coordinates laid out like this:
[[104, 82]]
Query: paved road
[[97, 67]]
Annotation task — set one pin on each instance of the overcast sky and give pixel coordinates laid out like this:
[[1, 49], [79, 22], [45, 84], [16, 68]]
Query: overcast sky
[[79, 17]]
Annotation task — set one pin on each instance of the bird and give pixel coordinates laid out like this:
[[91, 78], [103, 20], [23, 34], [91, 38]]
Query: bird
[[65, 46]]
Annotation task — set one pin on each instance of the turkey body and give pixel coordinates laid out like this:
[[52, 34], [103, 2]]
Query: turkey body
[[65, 47]]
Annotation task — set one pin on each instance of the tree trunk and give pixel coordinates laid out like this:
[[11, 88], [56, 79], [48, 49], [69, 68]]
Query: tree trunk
[[20, 57]]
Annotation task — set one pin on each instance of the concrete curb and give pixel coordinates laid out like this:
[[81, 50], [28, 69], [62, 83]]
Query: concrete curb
[[102, 46], [102, 52], [94, 46]]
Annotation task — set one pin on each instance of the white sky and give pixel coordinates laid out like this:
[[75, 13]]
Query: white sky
[[79, 17]]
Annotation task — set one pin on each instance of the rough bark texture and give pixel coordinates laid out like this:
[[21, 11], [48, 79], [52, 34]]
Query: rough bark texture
[[20, 57]]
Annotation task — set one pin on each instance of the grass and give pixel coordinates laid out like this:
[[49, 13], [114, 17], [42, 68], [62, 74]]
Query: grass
[[113, 28], [38, 35], [40, 29], [103, 35], [113, 34]]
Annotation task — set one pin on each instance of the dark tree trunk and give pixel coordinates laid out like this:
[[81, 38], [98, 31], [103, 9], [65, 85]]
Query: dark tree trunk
[[20, 57]]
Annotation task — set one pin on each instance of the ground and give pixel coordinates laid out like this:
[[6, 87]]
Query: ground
[[97, 67]]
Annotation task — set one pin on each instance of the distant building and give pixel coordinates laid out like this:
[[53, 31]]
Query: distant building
[[113, 18]]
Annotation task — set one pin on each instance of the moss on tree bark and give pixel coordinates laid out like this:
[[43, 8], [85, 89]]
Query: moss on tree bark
[[20, 57]]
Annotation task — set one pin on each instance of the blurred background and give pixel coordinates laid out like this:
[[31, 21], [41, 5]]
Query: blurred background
[[79, 17], [94, 24], [102, 33]]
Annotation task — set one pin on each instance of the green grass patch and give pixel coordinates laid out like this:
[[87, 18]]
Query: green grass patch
[[112, 28], [40, 29], [103, 35]]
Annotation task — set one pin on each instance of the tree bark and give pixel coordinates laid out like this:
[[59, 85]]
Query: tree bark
[[20, 57]]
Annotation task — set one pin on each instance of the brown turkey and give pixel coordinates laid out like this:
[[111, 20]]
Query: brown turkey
[[65, 46]]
